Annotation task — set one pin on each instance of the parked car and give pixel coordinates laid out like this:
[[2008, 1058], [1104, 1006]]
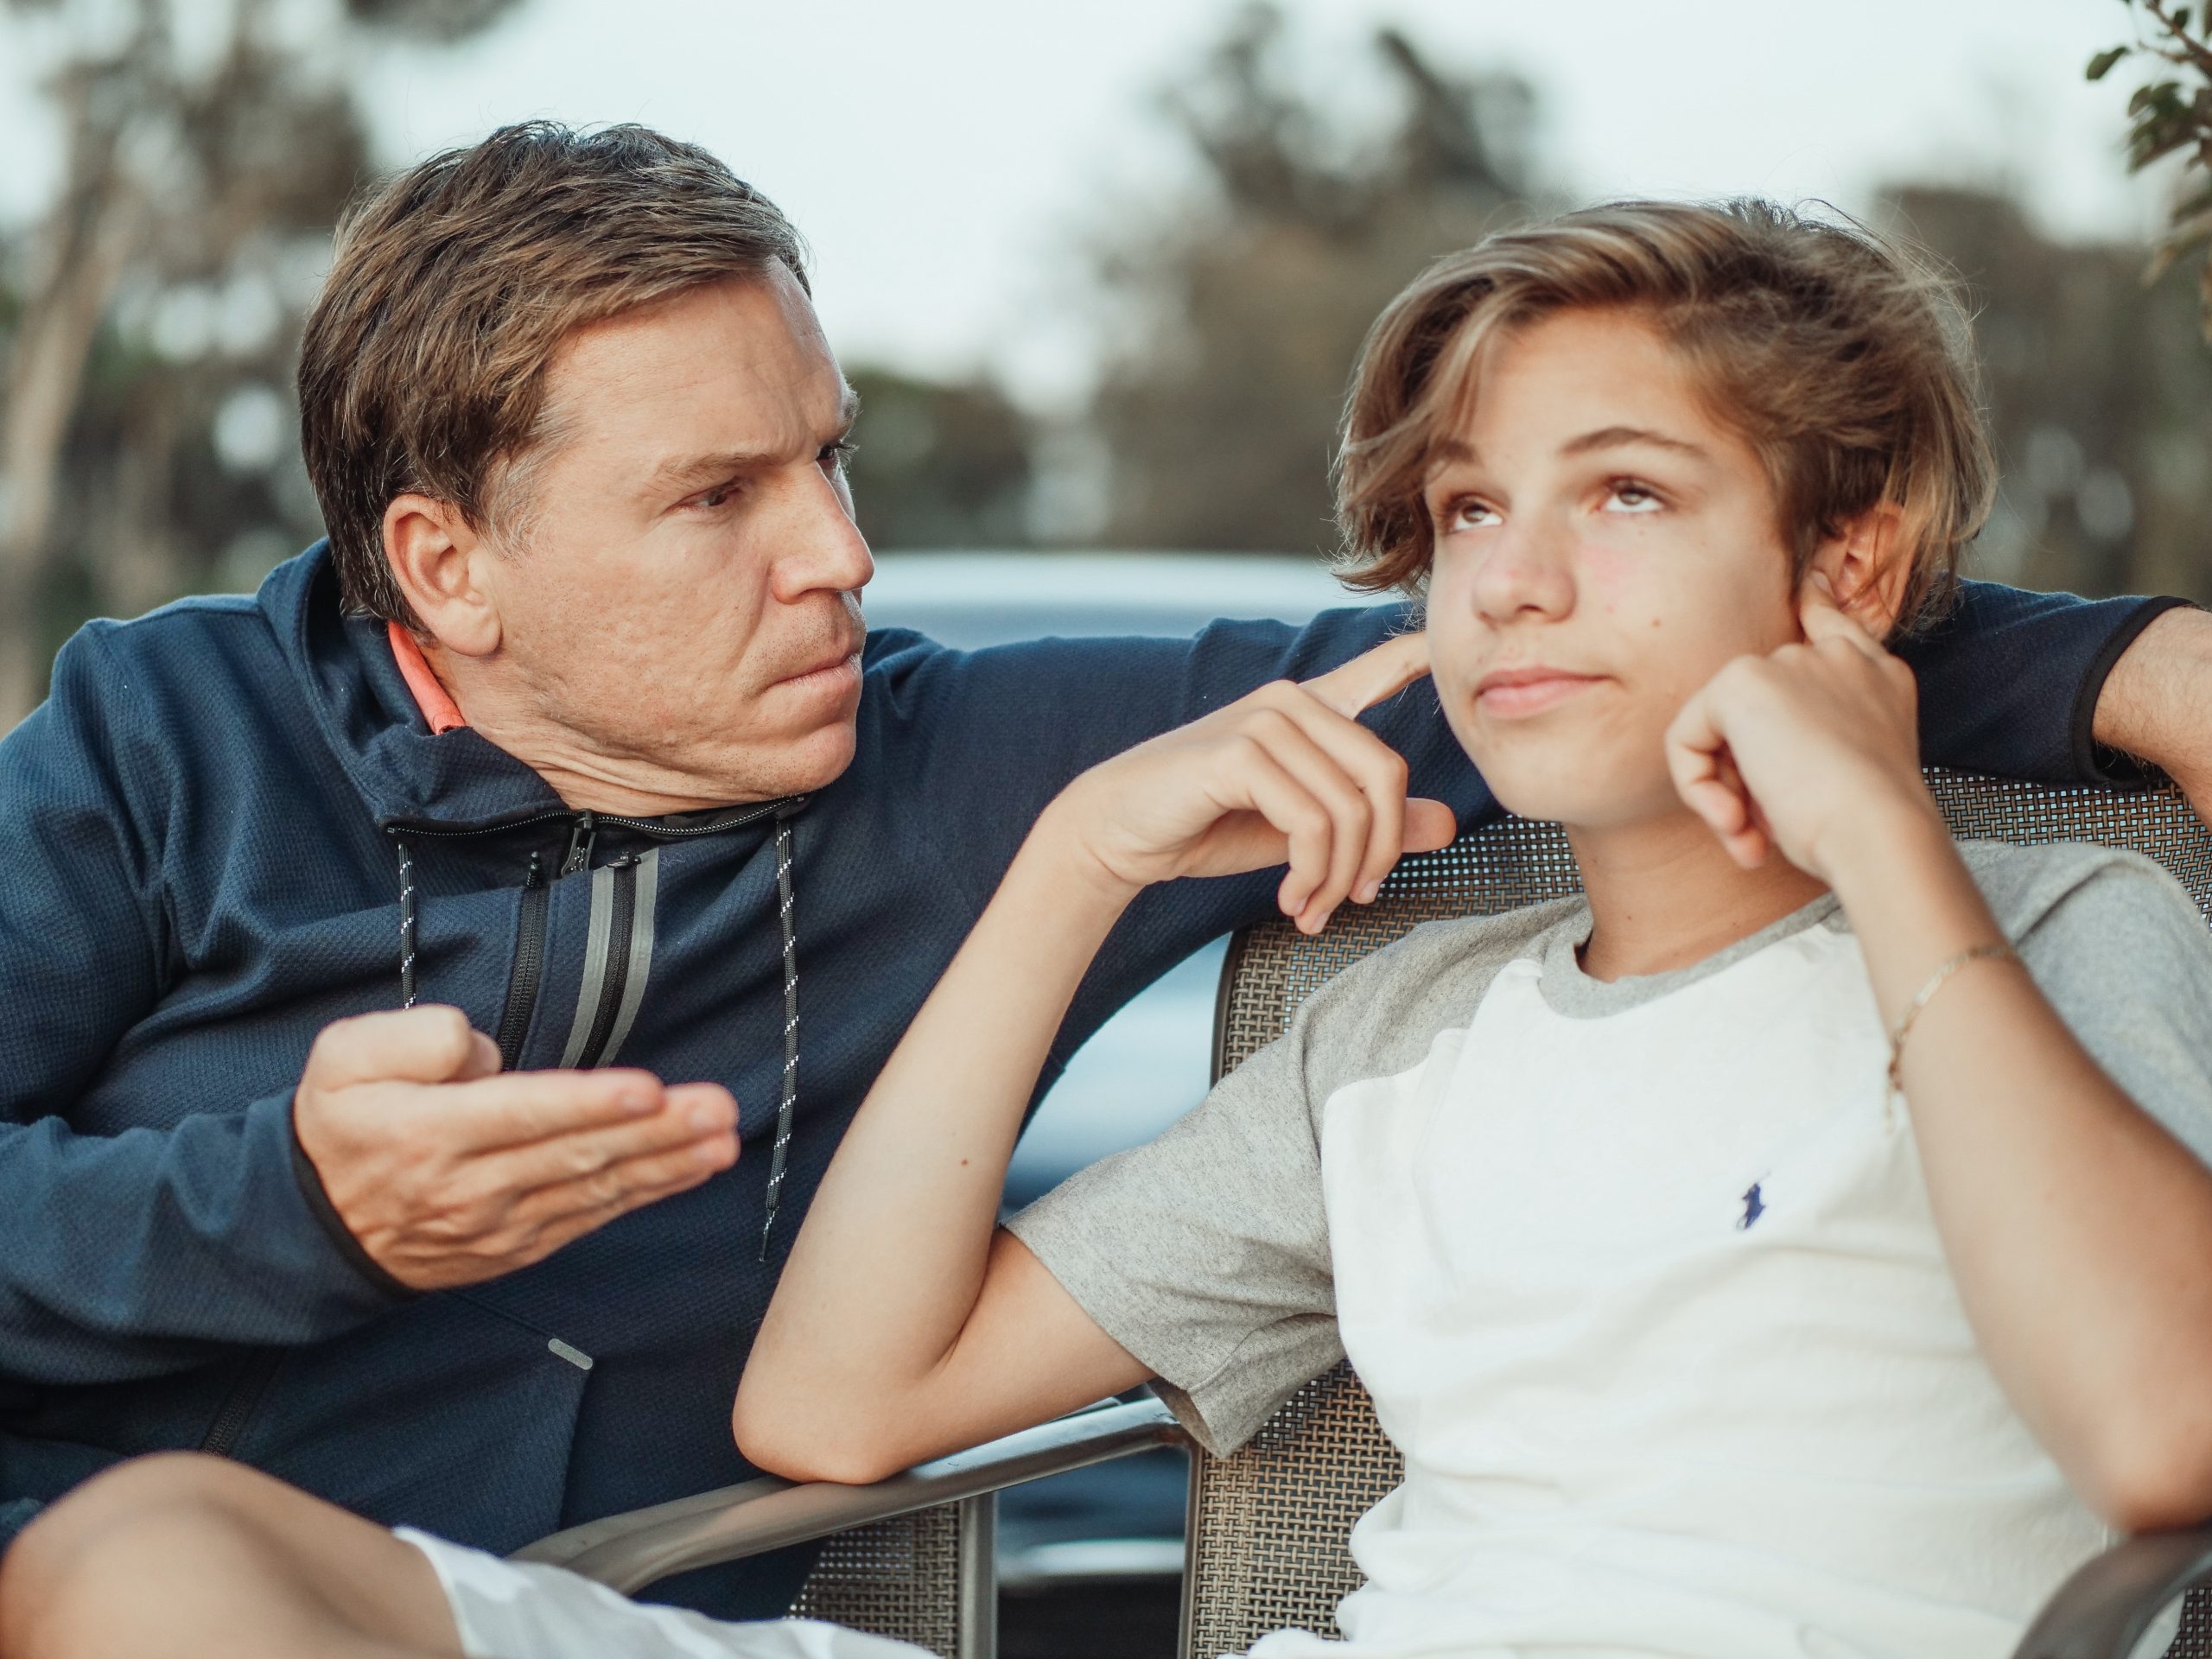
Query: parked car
[[1120, 1523]]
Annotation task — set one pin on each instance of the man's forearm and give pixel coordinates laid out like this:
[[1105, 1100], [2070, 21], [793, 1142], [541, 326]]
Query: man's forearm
[[2157, 702]]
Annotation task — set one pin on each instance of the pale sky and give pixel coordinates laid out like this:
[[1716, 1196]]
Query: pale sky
[[943, 159]]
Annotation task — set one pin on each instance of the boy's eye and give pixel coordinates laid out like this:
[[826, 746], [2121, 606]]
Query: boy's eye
[[1626, 495], [1466, 513]]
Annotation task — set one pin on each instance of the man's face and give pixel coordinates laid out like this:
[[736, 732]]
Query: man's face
[[1603, 548], [683, 602]]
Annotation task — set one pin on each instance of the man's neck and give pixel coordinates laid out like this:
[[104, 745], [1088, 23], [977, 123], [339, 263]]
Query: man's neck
[[1665, 894], [584, 779]]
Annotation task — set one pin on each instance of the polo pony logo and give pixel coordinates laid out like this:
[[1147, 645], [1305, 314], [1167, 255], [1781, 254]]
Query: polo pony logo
[[1754, 1207]]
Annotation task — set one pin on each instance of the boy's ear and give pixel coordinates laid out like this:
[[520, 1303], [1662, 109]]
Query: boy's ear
[[1864, 564]]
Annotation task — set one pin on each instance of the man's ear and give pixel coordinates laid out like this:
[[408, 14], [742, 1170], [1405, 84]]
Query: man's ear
[[1864, 563], [436, 557]]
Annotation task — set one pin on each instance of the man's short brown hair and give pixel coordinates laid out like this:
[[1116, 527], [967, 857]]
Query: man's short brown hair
[[1844, 361], [423, 363]]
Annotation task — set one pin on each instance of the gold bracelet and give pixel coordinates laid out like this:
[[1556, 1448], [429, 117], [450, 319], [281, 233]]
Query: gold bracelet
[[1999, 951]]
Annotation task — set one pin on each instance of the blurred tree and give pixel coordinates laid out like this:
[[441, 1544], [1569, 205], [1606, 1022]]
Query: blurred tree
[[148, 433], [940, 464], [2100, 398], [2171, 115], [1248, 304]]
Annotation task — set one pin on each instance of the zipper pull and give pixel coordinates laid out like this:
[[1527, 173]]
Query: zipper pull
[[534, 875], [580, 840]]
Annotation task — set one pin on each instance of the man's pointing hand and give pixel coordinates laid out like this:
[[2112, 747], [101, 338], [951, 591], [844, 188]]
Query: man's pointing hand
[[449, 1172]]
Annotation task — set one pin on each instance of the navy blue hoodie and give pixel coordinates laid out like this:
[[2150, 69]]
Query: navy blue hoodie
[[205, 824]]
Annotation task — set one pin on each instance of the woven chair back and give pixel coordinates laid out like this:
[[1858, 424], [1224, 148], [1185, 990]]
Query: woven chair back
[[897, 1578], [1269, 1525]]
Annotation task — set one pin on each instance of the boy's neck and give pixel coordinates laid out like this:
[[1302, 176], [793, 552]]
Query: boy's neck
[[1665, 894]]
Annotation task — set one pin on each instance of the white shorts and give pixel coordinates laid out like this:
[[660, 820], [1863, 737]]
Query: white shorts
[[511, 1609]]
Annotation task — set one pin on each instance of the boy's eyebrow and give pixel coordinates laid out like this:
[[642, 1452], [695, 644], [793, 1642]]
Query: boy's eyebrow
[[1613, 438]]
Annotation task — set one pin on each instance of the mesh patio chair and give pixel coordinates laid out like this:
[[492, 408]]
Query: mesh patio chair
[[1268, 1527]]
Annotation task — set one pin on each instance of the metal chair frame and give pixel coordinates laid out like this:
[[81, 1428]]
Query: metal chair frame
[[2100, 1612]]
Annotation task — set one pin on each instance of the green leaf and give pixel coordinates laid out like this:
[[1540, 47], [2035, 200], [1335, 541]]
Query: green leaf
[[2101, 64]]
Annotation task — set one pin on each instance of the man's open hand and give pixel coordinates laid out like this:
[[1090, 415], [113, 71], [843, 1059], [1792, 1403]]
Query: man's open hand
[[449, 1173]]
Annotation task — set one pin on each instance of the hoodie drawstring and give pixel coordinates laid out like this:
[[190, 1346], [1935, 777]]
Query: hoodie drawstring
[[787, 1106], [406, 926]]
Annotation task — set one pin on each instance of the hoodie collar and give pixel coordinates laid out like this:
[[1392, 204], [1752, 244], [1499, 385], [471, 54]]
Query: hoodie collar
[[345, 670]]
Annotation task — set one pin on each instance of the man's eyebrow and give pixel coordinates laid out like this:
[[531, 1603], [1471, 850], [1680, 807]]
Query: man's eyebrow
[[695, 472], [1615, 437]]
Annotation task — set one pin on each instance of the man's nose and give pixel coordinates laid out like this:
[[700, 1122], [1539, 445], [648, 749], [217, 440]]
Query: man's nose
[[822, 549], [1527, 570]]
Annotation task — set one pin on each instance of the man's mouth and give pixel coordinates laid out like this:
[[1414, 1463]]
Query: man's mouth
[[1517, 693], [825, 671]]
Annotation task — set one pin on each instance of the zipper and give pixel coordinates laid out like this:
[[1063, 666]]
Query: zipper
[[530, 966], [737, 820], [621, 922], [253, 1380]]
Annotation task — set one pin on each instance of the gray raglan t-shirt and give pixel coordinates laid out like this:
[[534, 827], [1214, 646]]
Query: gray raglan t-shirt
[[1206, 1253]]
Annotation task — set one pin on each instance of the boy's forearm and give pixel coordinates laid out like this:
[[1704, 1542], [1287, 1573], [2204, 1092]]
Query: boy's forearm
[[2075, 1226], [886, 1270]]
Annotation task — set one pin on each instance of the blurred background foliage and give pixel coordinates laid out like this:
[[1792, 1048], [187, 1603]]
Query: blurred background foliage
[[149, 322]]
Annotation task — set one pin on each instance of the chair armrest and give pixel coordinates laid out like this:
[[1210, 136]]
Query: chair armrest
[[628, 1552], [2102, 1611]]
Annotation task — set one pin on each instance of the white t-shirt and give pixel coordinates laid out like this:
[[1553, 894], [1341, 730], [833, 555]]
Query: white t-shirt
[[1642, 1279]]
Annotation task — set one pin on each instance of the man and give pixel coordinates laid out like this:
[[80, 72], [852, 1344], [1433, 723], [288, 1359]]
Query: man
[[571, 726]]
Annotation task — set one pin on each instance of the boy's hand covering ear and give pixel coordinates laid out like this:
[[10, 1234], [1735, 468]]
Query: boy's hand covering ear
[[1808, 748], [1286, 774]]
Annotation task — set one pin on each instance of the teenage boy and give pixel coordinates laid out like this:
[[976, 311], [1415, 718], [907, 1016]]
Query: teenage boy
[[1781, 1251], [1786, 1248]]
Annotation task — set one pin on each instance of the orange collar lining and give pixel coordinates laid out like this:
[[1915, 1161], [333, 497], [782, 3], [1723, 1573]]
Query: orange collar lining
[[440, 712]]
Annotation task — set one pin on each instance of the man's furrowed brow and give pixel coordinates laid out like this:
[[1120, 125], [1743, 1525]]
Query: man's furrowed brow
[[1620, 437], [686, 472]]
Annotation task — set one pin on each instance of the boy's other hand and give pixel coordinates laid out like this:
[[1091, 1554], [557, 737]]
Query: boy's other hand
[[1811, 748], [1286, 774]]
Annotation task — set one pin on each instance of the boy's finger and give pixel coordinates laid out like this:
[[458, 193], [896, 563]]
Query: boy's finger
[[1429, 825], [1823, 620], [1372, 676]]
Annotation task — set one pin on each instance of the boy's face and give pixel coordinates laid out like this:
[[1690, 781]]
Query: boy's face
[[1603, 548]]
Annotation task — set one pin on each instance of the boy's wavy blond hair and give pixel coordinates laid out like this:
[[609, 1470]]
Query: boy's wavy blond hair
[[1845, 362]]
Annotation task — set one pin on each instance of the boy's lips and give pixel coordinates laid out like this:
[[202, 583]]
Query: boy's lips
[[1515, 693]]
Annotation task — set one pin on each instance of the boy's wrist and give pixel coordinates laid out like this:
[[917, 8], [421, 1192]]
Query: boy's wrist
[[1906, 890], [1058, 853], [1892, 849]]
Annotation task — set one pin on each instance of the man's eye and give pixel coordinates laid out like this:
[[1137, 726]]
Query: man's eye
[[721, 496], [1470, 515], [835, 457], [1626, 495]]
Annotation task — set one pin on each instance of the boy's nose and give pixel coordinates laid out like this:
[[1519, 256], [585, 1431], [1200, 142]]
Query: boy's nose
[[1528, 569]]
